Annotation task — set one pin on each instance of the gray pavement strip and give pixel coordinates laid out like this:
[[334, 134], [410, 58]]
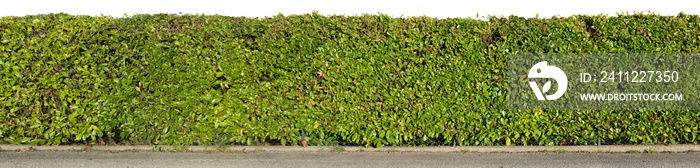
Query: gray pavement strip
[[440, 149], [344, 159]]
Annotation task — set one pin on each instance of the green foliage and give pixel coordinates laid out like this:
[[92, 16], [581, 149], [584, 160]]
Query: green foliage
[[367, 80]]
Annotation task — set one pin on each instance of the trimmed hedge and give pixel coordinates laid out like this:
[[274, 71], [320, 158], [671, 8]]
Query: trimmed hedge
[[367, 80]]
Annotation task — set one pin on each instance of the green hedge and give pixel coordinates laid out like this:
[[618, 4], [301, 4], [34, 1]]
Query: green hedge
[[369, 80]]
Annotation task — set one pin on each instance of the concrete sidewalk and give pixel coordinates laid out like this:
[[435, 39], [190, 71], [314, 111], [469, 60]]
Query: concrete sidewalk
[[439, 149], [70, 159]]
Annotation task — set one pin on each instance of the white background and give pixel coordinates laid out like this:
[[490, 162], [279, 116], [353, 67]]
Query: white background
[[431, 8]]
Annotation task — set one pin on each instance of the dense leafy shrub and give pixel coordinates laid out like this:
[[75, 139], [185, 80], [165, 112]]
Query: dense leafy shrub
[[353, 80]]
